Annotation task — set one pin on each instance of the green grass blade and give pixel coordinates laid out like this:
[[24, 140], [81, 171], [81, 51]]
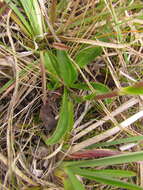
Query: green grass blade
[[6, 85], [33, 12], [135, 139], [74, 181], [87, 55], [37, 18], [68, 185], [27, 26], [112, 173], [68, 71], [114, 182], [136, 89], [22, 73], [64, 121], [119, 159]]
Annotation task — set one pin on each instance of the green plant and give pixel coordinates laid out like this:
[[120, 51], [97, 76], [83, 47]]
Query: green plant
[[50, 47], [108, 176], [71, 169]]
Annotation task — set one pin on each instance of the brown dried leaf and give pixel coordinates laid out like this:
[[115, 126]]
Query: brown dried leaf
[[95, 153], [47, 117]]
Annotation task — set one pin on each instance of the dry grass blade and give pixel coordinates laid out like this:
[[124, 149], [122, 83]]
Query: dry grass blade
[[107, 133], [119, 110], [54, 153], [10, 139], [95, 42], [17, 171]]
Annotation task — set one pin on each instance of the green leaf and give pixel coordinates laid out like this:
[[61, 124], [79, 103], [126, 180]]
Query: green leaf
[[34, 14], [118, 159], [99, 87], [65, 121], [68, 71], [26, 26], [105, 177], [68, 185], [51, 65], [105, 173], [101, 176], [120, 141], [53, 85], [114, 182], [87, 55], [77, 185], [6, 85], [24, 72], [136, 89], [71, 116]]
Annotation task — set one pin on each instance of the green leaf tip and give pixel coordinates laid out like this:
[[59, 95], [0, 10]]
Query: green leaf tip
[[136, 89]]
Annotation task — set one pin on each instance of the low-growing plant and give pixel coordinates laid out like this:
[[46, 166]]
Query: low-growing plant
[[69, 170], [51, 55]]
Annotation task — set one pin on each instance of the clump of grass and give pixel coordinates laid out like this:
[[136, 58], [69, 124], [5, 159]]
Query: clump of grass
[[84, 59]]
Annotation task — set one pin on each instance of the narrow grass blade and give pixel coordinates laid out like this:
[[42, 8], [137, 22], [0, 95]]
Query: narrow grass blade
[[68, 185], [6, 85], [112, 173], [119, 159], [101, 176], [26, 26], [87, 55], [33, 12], [120, 141], [64, 121], [114, 182], [68, 71], [77, 185]]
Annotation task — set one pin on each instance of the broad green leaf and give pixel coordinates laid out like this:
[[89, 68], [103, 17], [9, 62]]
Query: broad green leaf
[[87, 55], [136, 89], [120, 141], [71, 116], [119, 159], [99, 87], [68, 71], [51, 65], [64, 123], [110, 173], [114, 182], [77, 185], [53, 85]]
